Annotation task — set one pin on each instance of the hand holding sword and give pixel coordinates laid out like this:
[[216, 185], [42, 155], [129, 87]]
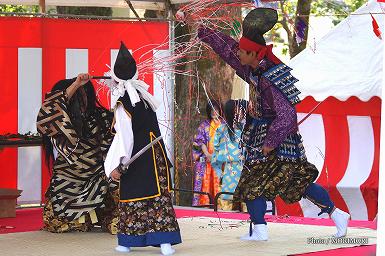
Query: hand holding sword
[[122, 168]]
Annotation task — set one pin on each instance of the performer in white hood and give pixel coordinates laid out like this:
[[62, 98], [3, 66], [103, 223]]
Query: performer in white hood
[[147, 217]]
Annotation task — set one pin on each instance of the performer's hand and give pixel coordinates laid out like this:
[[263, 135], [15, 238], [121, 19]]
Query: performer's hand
[[184, 17], [81, 80], [180, 16], [266, 150], [208, 158], [115, 175]]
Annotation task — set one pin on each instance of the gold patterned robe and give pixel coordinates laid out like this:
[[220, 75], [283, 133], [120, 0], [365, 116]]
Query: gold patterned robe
[[79, 193]]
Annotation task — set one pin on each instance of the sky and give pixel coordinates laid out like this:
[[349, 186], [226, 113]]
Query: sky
[[319, 26]]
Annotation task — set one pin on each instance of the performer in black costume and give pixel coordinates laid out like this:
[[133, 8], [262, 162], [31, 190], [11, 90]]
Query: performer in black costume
[[147, 217]]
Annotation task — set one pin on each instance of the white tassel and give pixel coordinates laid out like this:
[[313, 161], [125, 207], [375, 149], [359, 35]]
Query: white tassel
[[118, 87]]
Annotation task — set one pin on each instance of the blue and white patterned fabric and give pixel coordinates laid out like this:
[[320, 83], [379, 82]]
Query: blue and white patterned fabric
[[290, 150], [281, 77]]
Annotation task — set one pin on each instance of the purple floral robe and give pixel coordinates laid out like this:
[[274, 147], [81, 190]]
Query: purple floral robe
[[202, 137]]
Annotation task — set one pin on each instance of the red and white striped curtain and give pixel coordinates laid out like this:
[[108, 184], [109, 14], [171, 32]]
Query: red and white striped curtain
[[37, 52], [342, 138]]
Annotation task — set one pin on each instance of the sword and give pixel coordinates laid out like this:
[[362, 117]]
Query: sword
[[139, 153], [100, 77]]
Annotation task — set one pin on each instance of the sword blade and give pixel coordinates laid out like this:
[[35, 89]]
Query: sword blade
[[140, 152]]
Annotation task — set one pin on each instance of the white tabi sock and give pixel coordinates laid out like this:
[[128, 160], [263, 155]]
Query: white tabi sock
[[341, 219], [166, 249], [259, 233], [121, 248]]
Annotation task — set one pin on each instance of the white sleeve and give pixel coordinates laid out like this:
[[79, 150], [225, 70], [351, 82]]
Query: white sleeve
[[123, 142]]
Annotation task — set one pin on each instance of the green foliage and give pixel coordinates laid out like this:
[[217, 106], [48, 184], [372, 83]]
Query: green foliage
[[97, 11], [339, 10], [19, 8], [237, 28], [336, 9], [289, 7], [285, 51]]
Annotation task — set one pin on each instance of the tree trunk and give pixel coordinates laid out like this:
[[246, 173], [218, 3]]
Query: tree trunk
[[303, 11], [190, 106]]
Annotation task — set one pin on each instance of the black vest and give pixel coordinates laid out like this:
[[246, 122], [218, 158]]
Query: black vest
[[140, 181]]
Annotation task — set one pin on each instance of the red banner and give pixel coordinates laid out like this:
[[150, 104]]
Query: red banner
[[54, 36], [39, 49]]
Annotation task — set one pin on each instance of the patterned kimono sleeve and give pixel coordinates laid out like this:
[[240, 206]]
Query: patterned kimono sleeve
[[227, 48], [220, 153], [285, 121], [200, 138], [123, 141], [107, 134], [53, 121]]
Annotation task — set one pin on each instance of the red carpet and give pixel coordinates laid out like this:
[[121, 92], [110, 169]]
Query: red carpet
[[31, 220], [369, 250], [26, 220]]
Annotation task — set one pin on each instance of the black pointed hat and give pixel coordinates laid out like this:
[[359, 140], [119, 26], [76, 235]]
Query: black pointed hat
[[257, 22], [125, 65]]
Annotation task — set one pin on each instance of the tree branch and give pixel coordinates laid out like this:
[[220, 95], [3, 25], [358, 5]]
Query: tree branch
[[169, 6], [284, 21], [133, 9], [302, 12]]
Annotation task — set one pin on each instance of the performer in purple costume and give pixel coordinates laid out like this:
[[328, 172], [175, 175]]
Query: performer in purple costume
[[276, 163]]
